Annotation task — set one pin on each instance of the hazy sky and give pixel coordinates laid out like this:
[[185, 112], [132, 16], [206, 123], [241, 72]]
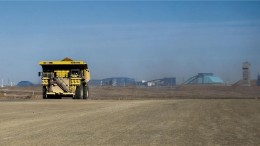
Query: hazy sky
[[142, 40]]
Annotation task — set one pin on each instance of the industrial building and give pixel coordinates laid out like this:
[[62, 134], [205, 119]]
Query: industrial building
[[94, 82], [168, 82], [245, 81], [246, 74], [25, 84], [124, 81], [204, 78], [258, 80], [116, 81]]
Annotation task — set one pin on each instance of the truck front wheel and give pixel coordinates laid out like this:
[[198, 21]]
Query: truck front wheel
[[79, 92], [85, 92], [44, 91]]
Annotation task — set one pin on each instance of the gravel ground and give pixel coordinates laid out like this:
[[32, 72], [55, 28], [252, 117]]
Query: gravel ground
[[130, 122]]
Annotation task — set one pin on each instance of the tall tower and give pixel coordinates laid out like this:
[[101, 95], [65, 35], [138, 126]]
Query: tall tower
[[246, 73], [258, 80]]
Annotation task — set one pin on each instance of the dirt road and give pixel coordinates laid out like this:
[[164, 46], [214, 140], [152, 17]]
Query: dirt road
[[130, 122]]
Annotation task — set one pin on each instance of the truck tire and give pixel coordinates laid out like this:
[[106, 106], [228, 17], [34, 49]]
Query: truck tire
[[79, 92], [85, 91], [44, 91]]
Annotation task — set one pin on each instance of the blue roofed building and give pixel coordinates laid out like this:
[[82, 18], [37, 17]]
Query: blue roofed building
[[25, 84], [204, 78]]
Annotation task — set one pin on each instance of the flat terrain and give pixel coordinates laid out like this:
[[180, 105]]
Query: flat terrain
[[130, 122], [129, 93]]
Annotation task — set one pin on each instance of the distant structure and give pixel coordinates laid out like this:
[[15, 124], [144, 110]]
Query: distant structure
[[25, 84], [142, 83], [166, 82], [245, 81], [258, 80], [124, 81], [94, 82], [204, 78], [246, 74], [116, 81]]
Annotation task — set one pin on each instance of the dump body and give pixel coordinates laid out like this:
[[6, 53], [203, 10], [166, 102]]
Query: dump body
[[65, 78]]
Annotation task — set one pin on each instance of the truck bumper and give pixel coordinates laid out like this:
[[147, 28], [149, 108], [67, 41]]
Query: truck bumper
[[59, 94]]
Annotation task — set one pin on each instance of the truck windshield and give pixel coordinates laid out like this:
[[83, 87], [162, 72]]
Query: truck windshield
[[51, 68]]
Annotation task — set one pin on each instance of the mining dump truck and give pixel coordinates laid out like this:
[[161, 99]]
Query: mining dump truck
[[65, 78]]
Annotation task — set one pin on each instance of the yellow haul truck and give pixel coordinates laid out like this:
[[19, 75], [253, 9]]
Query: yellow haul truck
[[65, 78]]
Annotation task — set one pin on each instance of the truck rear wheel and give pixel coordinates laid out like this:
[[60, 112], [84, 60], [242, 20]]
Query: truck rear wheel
[[85, 92]]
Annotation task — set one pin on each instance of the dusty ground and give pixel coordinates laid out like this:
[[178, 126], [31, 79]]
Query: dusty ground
[[122, 93], [179, 92], [130, 122]]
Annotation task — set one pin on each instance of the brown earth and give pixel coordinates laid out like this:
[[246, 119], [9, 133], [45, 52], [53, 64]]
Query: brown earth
[[122, 93], [179, 92], [130, 122], [202, 115]]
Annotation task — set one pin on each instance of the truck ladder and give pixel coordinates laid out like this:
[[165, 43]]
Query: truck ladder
[[62, 84]]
